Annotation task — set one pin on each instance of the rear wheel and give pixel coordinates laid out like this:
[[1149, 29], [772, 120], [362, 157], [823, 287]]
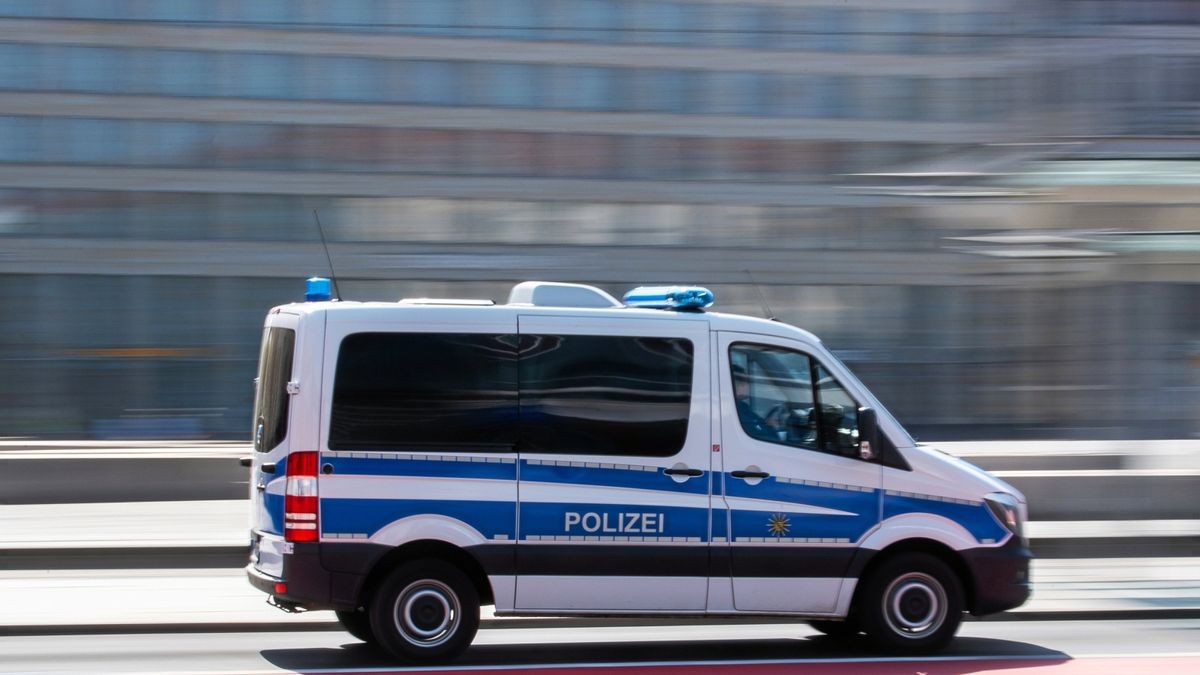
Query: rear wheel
[[426, 610], [358, 624], [912, 603]]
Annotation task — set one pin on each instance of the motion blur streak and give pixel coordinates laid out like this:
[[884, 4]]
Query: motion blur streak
[[988, 207]]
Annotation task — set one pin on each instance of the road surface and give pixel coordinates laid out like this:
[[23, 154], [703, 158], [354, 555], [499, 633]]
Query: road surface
[[1161, 647]]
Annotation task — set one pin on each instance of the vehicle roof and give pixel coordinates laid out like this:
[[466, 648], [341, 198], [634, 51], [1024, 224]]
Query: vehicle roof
[[393, 311]]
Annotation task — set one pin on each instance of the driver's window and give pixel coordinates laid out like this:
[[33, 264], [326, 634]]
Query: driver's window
[[784, 396], [772, 389]]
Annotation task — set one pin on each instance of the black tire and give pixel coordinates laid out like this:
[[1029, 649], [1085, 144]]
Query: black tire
[[426, 610], [358, 624], [841, 630], [912, 603]]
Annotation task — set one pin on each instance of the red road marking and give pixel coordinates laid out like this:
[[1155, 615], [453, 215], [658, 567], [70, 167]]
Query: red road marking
[[1131, 665]]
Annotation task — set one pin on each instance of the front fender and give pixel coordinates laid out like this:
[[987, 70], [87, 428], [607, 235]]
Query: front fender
[[920, 526]]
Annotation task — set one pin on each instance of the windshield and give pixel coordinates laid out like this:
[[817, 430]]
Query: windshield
[[880, 411]]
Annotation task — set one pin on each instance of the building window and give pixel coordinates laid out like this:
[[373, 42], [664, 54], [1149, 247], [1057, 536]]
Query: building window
[[19, 66], [505, 85], [584, 88], [270, 76], [19, 139], [431, 83], [507, 19]]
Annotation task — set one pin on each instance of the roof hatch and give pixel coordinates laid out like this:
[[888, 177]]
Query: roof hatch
[[555, 294]]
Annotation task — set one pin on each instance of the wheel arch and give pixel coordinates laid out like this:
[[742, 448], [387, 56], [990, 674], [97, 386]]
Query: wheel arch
[[874, 559], [428, 548]]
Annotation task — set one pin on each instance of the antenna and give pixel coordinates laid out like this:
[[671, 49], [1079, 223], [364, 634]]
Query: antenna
[[761, 298], [332, 275]]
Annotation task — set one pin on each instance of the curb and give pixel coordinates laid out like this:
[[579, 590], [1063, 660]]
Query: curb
[[131, 558]]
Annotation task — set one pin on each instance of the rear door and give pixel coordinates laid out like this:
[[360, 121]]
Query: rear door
[[272, 437], [614, 464], [797, 496]]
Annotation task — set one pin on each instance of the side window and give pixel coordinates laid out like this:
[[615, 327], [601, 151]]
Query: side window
[[404, 390], [787, 397], [605, 395], [271, 399]]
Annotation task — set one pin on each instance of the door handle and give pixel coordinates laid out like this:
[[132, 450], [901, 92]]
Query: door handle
[[246, 461], [750, 474], [683, 472], [268, 467]]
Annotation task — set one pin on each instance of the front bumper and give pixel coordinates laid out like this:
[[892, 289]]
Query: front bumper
[[1000, 576]]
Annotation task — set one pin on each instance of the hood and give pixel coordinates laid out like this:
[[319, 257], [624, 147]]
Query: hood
[[939, 473]]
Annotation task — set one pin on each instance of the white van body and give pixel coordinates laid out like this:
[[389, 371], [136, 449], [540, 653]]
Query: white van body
[[610, 465]]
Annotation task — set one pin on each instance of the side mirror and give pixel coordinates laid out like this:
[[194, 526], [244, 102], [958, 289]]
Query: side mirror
[[868, 434]]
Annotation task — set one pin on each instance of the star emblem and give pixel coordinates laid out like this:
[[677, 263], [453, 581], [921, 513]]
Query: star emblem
[[778, 525]]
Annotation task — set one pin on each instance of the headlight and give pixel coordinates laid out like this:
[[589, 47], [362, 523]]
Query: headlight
[[1006, 509]]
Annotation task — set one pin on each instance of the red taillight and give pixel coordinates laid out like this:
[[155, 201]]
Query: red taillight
[[300, 497]]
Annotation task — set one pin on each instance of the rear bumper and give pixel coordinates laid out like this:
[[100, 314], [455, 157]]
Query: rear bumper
[[304, 583], [1000, 575], [313, 575]]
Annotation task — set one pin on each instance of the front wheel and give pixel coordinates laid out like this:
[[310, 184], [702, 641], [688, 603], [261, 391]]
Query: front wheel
[[912, 603], [426, 610]]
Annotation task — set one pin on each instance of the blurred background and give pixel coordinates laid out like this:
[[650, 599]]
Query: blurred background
[[988, 208]]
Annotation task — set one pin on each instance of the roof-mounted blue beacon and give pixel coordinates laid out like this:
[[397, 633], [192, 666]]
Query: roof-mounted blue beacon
[[670, 297], [317, 289]]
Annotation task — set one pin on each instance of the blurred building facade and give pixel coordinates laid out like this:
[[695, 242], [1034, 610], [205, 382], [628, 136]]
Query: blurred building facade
[[986, 206]]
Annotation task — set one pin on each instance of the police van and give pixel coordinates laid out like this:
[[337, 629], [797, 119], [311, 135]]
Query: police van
[[569, 454]]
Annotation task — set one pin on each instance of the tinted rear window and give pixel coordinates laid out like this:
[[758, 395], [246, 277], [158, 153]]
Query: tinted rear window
[[271, 400], [405, 390]]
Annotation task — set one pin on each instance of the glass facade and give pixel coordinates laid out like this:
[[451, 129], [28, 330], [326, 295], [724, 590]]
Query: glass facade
[[456, 83], [331, 148], [630, 22], [160, 161]]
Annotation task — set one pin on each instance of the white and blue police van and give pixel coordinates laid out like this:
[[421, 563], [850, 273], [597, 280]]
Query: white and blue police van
[[569, 454]]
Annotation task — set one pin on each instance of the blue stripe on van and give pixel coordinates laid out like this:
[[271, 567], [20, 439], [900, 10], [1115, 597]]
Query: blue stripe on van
[[842, 499], [862, 508], [611, 477], [638, 522], [273, 504], [720, 522], [368, 516], [403, 466], [785, 524], [975, 518]]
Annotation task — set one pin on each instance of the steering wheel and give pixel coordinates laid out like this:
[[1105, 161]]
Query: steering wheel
[[782, 413]]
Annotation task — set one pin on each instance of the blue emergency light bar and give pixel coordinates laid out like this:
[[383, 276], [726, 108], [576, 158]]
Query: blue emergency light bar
[[317, 289], [669, 297]]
